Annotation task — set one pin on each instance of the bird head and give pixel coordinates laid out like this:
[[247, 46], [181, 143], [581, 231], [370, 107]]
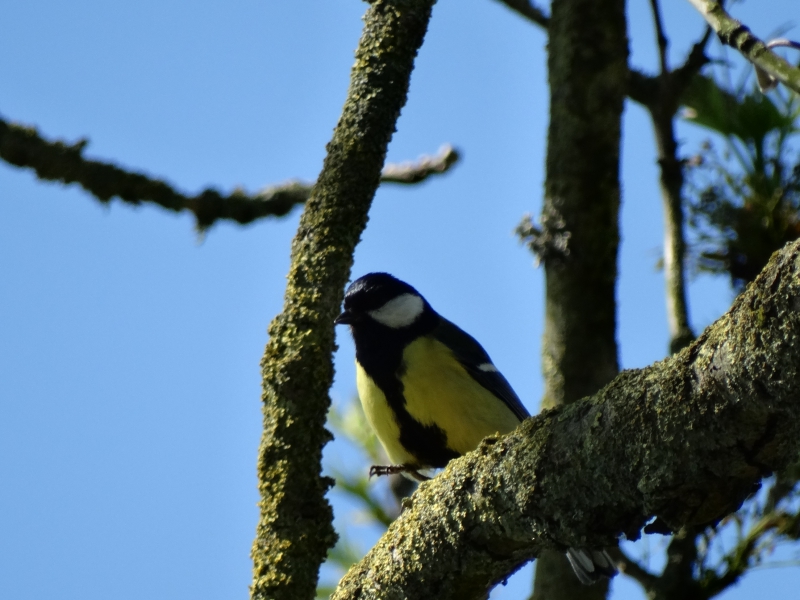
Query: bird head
[[383, 300]]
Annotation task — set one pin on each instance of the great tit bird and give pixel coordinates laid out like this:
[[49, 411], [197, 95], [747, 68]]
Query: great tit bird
[[429, 389]]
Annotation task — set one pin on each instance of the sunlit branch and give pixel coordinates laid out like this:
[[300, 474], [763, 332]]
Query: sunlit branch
[[421, 169], [766, 81], [736, 35]]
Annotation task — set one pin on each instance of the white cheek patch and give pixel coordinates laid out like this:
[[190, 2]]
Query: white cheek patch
[[399, 312], [487, 368]]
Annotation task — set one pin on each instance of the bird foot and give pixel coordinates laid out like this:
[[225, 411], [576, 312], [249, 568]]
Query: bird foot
[[378, 470]]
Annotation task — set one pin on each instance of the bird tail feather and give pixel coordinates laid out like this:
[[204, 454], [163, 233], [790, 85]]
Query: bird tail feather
[[591, 565]]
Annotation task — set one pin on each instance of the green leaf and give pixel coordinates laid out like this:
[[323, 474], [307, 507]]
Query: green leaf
[[749, 117]]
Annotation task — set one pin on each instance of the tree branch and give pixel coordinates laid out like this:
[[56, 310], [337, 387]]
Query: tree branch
[[685, 440], [661, 96], [59, 161], [425, 167], [661, 37], [732, 33], [527, 9], [295, 529], [633, 569]]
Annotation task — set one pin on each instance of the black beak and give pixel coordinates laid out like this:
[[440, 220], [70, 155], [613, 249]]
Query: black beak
[[346, 318]]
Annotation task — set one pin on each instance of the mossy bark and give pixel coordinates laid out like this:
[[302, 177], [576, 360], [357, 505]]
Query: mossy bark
[[587, 66], [295, 528], [685, 440]]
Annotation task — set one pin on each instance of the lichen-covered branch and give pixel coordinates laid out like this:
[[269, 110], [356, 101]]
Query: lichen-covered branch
[[295, 529], [59, 161], [736, 35], [686, 440]]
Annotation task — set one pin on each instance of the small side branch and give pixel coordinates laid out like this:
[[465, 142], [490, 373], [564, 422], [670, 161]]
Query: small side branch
[[736, 35], [63, 162], [634, 570], [661, 37], [661, 96], [425, 167], [527, 9]]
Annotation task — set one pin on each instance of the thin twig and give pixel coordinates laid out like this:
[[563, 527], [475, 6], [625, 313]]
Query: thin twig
[[660, 36], [419, 171], [662, 99], [633, 569], [527, 9]]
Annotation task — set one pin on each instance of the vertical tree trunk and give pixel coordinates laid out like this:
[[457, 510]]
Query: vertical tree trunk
[[587, 64]]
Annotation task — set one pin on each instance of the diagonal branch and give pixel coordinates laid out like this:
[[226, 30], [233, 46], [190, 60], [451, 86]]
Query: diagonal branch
[[736, 35], [529, 10], [59, 161], [634, 570], [661, 37], [295, 530], [685, 440]]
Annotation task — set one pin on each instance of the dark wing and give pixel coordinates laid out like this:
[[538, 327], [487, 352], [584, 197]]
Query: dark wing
[[477, 363]]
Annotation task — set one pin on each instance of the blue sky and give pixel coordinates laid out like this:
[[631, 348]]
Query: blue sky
[[129, 347]]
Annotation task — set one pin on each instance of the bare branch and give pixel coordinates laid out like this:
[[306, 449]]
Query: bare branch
[[661, 96], [732, 33], [63, 162], [685, 440], [661, 37], [422, 169], [527, 9], [695, 60], [633, 569]]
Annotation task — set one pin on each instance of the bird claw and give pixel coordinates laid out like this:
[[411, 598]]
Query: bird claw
[[378, 470]]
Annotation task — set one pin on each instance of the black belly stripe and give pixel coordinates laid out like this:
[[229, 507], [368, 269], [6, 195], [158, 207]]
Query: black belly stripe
[[383, 362]]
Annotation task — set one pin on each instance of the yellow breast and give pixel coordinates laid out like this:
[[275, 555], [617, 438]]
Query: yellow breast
[[381, 418], [438, 391]]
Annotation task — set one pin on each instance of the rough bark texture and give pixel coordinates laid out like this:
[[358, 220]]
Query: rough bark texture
[[587, 66], [685, 440], [295, 530], [588, 70]]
